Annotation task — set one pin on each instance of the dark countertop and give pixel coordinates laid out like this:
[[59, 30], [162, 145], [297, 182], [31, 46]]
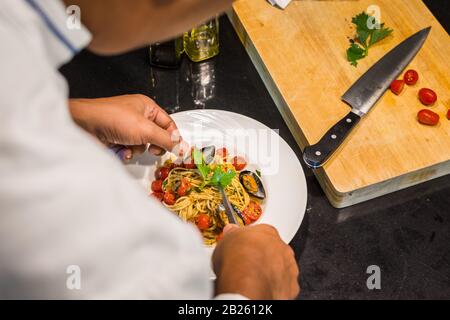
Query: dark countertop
[[407, 233]]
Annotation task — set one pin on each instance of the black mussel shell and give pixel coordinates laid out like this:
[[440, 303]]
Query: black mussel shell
[[260, 192]]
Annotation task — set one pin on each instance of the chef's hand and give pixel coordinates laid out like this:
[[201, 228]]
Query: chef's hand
[[254, 262], [129, 120]]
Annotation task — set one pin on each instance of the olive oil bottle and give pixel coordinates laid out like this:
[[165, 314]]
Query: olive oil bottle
[[202, 42]]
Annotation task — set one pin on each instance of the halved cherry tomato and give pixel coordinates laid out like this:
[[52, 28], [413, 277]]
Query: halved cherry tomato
[[169, 198], [428, 117], [239, 163], [158, 195], [162, 173], [397, 86], [222, 152], [427, 96], [411, 77], [157, 185], [247, 220], [202, 221], [253, 211]]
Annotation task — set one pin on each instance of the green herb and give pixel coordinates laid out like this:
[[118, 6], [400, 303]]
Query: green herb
[[368, 32], [221, 178], [218, 178], [164, 184]]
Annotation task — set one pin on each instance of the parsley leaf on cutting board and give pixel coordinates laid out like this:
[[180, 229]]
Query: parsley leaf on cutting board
[[368, 32]]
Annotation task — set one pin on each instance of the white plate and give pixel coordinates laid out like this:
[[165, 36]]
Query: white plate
[[282, 174]]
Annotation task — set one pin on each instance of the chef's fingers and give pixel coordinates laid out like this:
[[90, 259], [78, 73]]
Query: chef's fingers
[[155, 135], [230, 228], [158, 115]]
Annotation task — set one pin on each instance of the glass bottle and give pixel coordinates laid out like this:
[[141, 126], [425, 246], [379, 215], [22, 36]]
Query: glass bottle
[[202, 42], [167, 54]]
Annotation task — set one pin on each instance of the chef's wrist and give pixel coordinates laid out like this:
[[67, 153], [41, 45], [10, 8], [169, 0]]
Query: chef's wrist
[[83, 114], [240, 280]]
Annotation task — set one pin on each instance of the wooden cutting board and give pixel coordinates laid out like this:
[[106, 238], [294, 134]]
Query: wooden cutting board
[[300, 53]]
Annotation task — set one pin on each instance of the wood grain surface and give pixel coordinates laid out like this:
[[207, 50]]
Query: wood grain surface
[[300, 54]]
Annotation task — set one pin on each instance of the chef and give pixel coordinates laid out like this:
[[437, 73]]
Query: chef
[[73, 225]]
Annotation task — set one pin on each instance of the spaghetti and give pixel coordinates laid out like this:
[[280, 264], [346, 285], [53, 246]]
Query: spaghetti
[[183, 190]]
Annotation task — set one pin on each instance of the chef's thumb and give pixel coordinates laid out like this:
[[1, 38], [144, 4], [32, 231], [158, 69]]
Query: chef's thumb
[[230, 228]]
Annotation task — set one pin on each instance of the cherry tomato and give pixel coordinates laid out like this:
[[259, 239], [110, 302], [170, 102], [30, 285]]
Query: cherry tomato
[[247, 220], [169, 198], [239, 163], [185, 182], [202, 221], [397, 86], [253, 211], [411, 77], [182, 190], [162, 173], [428, 117], [184, 187], [157, 185], [189, 163], [219, 237], [427, 96], [222, 152], [158, 195]]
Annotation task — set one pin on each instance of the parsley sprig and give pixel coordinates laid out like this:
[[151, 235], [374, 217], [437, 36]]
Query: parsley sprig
[[218, 178], [368, 32]]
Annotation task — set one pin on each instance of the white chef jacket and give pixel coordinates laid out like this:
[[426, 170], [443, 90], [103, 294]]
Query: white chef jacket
[[64, 200]]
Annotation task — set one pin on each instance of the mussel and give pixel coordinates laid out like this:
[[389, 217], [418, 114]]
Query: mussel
[[252, 184], [208, 154]]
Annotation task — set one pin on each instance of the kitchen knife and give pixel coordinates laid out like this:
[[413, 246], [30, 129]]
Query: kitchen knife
[[363, 95]]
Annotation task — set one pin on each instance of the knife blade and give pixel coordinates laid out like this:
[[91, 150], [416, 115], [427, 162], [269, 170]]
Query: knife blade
[[228, 208], [363, 95]]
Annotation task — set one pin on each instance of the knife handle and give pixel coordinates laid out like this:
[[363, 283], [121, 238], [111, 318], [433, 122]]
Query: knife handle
[[316, 155]]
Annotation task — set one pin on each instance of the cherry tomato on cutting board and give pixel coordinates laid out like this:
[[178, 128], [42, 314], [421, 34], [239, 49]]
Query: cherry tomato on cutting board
[[428, 117], [427, 96], [411, 77], [397, 86]]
